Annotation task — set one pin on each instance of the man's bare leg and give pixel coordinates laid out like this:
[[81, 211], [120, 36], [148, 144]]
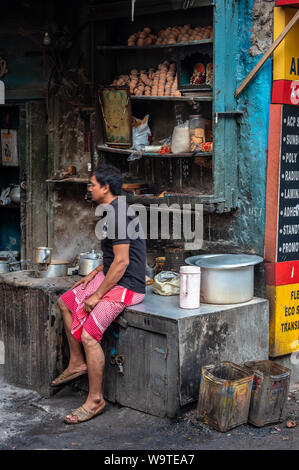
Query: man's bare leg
[[95, 362], [77, 362]]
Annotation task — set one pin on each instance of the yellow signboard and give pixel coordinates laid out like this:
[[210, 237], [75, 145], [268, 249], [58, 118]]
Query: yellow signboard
[[286, 55], [284, 319]]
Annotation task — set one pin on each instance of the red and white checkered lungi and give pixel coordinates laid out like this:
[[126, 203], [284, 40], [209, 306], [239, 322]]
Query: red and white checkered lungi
[[110, 306]]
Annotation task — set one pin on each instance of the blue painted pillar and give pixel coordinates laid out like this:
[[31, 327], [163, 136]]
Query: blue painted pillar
[[254, 101]]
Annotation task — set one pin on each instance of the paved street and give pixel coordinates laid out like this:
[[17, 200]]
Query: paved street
[[31, 422]]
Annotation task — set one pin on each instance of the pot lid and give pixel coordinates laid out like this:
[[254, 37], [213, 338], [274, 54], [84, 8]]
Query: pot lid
[[91, 255], [224, 261], [59, 261]]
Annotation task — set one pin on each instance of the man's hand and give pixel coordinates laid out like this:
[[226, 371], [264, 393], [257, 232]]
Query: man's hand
[[91, 302], [85, 280]]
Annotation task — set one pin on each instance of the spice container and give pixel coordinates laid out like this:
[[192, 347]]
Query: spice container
[[197, 131]]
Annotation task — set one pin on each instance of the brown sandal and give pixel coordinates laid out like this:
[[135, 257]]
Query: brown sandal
[[66, 377], [82, 414]]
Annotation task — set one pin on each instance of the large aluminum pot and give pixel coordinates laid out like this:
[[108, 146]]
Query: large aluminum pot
[[89, 261], [43, 254], [54, 269], [226, 278]]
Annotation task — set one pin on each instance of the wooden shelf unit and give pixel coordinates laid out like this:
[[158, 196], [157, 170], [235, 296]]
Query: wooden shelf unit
[[126, 152], [214, 173], [187, 99], [158, 46]]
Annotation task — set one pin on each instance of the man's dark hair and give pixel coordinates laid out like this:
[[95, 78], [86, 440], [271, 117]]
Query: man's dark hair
[[109, 174]]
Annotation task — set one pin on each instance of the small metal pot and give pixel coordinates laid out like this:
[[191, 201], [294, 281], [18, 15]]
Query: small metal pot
[[43, 254], [88, 262], [15, 194], [226, 278], [4, 265], [55, 269]]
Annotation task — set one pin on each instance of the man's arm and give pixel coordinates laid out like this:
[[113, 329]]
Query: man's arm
[[115, 273]]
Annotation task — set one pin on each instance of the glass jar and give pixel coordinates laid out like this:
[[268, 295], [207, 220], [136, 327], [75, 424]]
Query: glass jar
[[197, 131], [160, 264]]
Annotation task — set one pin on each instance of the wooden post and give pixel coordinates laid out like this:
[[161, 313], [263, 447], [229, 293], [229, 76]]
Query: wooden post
[[267, 54]]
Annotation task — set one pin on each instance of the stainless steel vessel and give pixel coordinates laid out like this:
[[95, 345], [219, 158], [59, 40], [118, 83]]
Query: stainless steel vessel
[[89, 261], [226, 278], [55, 269], [4, 265], [15, 194], [43, 254], [8, 258]]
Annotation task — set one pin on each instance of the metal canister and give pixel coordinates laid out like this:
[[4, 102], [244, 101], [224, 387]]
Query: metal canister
[[43, 254], [4, 265], [55, 269], [89, 261]]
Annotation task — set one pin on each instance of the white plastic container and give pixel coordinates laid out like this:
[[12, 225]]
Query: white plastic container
[[189, 287]]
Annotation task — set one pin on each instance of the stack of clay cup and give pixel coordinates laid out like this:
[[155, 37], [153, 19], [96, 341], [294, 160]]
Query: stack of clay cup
[[170, 35], [142, 38], [160, 82]]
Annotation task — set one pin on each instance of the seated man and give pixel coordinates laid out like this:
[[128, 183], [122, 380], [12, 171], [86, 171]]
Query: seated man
[[98, 298]]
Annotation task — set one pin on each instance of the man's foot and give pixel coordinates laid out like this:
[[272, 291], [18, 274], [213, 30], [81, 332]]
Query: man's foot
[[84, 413], [69, 374]]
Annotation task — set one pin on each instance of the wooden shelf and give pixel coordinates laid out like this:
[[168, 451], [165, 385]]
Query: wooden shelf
[[209, 201], [69, 180], [10, 206], [190, 99], [121, 9], [154, 46], [103, 148]]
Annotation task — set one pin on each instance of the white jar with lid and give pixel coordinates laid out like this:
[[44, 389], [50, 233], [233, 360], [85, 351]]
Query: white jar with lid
[[189, 287]]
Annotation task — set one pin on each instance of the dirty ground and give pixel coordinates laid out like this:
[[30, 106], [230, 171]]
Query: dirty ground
[[29, 422]]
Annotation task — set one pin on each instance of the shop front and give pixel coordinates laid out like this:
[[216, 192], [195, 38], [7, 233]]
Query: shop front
[[159, 104]]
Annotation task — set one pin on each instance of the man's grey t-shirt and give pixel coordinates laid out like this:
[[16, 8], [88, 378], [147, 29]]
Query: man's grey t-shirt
[[117, 215]]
